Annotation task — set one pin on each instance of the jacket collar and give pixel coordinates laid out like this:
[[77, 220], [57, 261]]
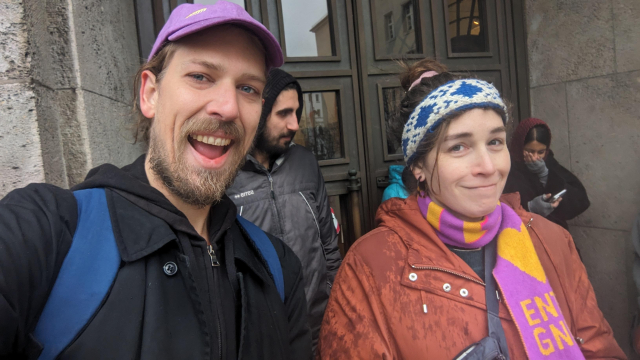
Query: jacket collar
[[424, 248], [137, 239], [254, 165]]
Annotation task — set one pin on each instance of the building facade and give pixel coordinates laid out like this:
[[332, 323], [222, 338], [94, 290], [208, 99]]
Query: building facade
[[66, 71]]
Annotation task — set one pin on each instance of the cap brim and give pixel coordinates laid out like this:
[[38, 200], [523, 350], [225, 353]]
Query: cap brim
[[273, 51]]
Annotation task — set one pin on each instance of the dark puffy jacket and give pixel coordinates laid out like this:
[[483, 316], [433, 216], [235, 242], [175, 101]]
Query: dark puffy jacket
[[232, 311], [574, 202], [291, 203]]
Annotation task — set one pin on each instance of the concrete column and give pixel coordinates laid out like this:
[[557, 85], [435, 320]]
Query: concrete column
[[584, 57], [66, 73]]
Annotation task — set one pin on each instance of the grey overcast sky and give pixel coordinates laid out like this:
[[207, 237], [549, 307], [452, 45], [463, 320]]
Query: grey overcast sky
[[211, 2], [299, 17]]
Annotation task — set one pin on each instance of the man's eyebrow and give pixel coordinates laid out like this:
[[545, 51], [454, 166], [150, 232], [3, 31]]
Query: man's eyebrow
[[204, 63], [254, 77], [285, 110], [216, 67]]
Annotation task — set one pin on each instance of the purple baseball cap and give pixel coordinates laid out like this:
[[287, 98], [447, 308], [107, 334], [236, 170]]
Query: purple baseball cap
[[190, 18]]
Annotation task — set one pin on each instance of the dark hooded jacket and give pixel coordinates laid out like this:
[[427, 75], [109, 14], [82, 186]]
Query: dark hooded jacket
[[290, 201], [396, 186], [574, 202], [231, 311]]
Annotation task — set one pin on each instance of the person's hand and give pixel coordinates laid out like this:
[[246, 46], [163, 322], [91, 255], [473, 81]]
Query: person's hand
[[539, 206], [555, 203], [530, 158]]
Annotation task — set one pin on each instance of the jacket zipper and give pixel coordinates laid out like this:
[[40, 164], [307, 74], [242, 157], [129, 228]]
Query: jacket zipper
[[448, 271], [212, 255], [273, 198]]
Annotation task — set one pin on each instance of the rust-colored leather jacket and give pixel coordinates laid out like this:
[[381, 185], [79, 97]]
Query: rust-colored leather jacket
[[402, 294]]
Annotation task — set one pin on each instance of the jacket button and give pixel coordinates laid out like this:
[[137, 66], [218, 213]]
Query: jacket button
[[170, 268], [464, 293], [413, 277], [446, 287]]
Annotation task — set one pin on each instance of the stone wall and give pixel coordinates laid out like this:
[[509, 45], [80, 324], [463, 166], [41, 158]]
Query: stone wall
[[66, 72], [20, 160], [584, 67]]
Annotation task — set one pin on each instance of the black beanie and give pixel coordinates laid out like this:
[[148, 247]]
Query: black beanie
[[276, 81]]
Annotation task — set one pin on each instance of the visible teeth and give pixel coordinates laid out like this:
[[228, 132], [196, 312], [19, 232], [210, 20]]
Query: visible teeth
[[212, 140]]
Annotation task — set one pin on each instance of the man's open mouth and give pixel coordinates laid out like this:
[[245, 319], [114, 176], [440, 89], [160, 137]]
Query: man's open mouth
[[211, 147]]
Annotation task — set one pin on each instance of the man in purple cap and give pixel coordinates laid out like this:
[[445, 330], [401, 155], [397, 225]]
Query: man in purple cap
[[149, 261]]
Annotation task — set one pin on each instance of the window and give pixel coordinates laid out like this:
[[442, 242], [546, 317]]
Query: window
[[407, 16], [396, 28], [391, 98], [467, 29], [320, 125], [388, 20], [308, 35]]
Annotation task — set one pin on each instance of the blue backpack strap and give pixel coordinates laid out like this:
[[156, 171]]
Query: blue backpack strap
[[85, 276], [262, 242]]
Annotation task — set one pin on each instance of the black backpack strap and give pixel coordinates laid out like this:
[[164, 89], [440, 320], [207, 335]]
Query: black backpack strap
[[491, 294]]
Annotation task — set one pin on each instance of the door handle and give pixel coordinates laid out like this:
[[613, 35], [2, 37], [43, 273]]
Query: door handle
[[382, 181]]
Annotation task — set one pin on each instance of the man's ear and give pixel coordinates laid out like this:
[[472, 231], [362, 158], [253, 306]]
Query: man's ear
[[148, 94]]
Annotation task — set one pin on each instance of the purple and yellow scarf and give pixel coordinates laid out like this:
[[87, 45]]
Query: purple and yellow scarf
[[519, 274]]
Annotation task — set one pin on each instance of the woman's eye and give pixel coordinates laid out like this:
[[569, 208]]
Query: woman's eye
[[198, 77], [456, 148], [248, 89], [496, 142]]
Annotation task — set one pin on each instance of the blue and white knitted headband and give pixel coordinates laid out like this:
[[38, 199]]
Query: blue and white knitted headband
[[456, 95]]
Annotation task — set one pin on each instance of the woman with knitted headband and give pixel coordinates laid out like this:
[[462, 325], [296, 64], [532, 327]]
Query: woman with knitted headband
[[536, 175], [456, 271]]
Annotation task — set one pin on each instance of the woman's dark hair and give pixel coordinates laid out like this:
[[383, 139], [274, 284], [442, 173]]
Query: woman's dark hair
[[539, 133], [412, 98]]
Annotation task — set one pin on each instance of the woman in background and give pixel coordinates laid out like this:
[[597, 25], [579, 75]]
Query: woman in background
[[537, 175]]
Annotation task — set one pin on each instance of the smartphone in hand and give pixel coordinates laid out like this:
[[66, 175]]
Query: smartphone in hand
[[557, 196]]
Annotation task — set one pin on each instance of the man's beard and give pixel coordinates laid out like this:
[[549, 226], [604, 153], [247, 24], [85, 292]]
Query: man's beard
[[193, 185], [270, 144]]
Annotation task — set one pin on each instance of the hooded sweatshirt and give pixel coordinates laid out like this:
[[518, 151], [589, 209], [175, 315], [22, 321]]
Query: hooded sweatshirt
[[200, 311], [574, 202], [396, 187]]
